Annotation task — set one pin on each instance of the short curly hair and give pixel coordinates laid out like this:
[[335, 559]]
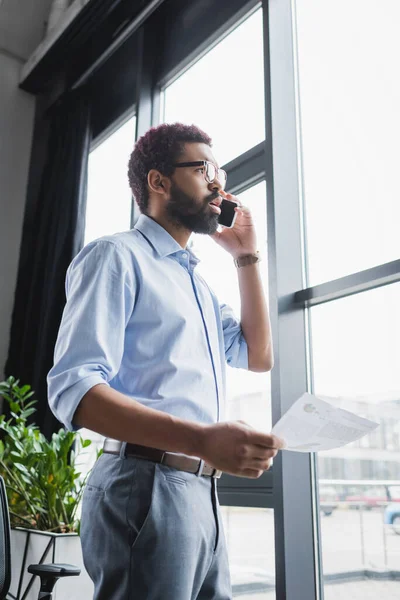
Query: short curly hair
[[159, 148]]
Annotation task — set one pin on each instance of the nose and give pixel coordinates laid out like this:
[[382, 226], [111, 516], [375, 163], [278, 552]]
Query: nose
[[216, 185]]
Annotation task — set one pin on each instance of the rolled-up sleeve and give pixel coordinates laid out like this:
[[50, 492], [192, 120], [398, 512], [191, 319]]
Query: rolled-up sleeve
[[236, 353], [100, 292]]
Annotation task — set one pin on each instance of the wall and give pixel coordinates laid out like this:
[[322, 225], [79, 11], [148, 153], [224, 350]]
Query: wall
[[22, 25]]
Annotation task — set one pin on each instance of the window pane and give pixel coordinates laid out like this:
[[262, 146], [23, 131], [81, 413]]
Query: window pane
[[350, 130], [223, 93], [248, 394], [109, 197], [356, 357], [249, 536], [108, 211]]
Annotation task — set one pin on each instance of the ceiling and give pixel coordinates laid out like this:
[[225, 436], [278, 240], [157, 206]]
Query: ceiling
[[22, 25]]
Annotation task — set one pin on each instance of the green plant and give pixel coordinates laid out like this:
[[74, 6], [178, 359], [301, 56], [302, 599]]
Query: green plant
[[44, 487]]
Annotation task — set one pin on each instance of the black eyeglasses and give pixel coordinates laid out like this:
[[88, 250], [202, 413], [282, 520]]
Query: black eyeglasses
[[211, 172]]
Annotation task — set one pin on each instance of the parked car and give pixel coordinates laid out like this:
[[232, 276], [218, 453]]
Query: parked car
[[328, 500], [392, 516], [374, 497], [371, 498]]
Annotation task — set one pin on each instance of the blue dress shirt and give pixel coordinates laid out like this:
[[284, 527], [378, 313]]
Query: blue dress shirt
[[141, 320]]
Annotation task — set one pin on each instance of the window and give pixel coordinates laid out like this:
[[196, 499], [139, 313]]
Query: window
[[109, 199], [251, 555], [230, 108], [350, 127], [356, 353], [235, 127], [331, 97], [109, 202], [199, 97], [248, 394]]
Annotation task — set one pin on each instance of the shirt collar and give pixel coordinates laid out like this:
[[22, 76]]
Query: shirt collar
[[162, 242]]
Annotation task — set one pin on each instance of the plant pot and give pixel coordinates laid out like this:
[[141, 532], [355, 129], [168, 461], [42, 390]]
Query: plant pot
[[29, 546]]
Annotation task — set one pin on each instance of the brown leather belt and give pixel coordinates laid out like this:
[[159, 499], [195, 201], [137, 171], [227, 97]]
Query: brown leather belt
[[177, 461]]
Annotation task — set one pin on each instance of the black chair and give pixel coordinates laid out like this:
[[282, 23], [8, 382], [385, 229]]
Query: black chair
[[49, 574]]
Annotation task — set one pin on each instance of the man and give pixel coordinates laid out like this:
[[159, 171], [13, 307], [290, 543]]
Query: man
[[140, 358]]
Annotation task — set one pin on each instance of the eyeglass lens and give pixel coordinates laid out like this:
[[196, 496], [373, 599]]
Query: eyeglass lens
[[214, 173]]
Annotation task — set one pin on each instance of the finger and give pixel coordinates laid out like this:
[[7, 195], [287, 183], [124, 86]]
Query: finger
[[267, 440], [229, 196], [244, 423], [265, 455], [261, 464], [259, 452], [250, 473], [262, 450]]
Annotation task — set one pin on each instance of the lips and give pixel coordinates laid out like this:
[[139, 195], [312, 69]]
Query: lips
[[216, 201], [214, 205]]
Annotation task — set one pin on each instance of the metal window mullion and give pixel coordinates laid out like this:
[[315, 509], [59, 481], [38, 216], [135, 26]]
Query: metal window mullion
[[241, 491], [186, 44], [248, 498], [295, 552], [246, 170], [112, 128], [355, 283], [231, 481], [147, 93]]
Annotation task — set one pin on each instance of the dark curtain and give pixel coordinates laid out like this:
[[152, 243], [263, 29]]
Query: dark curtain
[[54, 237]]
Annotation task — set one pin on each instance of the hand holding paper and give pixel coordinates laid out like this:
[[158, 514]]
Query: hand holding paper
[[311, 424]]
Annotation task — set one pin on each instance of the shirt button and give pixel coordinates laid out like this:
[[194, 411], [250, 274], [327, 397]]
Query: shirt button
[[184, 255]]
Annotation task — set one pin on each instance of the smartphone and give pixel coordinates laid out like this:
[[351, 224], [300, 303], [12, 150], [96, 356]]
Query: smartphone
[[228, 215]]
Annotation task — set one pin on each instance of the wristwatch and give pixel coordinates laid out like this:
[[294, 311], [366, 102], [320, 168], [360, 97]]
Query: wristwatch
[[249, 259]]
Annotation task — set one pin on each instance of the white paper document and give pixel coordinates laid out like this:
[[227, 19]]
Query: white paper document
[[311, 425]]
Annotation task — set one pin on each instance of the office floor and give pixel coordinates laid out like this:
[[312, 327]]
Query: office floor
[[355, 590]]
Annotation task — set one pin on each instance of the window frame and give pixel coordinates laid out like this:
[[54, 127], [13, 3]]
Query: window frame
[[290, 487]]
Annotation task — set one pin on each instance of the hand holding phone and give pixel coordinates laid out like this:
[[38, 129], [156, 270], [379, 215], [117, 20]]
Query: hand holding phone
[[227, 217]]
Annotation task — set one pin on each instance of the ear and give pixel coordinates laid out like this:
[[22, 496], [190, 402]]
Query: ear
[[157, 182]]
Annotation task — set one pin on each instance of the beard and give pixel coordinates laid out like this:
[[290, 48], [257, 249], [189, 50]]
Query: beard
[[184, 211]]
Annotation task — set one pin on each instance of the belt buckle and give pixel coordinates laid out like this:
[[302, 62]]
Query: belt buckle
[[199, 471]]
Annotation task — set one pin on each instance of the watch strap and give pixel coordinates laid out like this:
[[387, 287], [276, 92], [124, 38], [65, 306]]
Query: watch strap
[[249, 259]]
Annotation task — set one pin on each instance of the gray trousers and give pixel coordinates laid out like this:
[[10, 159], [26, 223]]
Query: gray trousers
[[151, 532]]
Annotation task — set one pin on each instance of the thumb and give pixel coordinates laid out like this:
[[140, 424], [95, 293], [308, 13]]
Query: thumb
[[244, 423]]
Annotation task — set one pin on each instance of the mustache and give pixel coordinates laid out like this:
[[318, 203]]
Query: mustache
[[212, 197]]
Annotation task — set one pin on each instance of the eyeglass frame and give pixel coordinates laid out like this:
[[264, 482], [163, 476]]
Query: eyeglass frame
[[203, 163]]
